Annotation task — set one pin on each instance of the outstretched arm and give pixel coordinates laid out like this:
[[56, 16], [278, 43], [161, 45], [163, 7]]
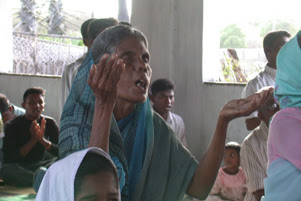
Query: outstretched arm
[[207, 169], [103, 80]]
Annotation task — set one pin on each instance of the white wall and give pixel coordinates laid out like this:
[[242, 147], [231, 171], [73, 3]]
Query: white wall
[[14, 86], [174, 29]]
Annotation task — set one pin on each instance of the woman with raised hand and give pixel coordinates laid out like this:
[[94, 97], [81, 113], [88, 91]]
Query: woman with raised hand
[[151, 161]]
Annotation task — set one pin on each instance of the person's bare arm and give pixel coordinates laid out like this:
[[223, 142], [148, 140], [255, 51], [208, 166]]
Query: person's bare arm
[[103, 80], [207, 169], [252, 123], [26, 148]]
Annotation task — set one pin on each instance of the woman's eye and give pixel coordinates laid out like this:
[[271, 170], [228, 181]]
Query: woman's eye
[[126, 59], [145, 59]]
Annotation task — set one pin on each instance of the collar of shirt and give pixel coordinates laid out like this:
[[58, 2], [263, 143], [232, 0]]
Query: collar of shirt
[[270, 71], [169, 120]]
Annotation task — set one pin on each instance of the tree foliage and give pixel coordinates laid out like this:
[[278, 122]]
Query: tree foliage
[[55, 24], [27, 16], [232, 37], [277, 25]]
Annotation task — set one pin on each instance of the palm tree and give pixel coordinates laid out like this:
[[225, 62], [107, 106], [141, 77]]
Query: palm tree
[[27, 15], [56, 25]]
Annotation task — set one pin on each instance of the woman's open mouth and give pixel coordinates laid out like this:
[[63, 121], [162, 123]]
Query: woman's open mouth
[[141, 84]]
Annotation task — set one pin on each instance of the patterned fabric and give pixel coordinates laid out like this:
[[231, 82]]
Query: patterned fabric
[[283, 182], [254, 159], [77, 115], [288, 79], [167, 166], [134, 129], [77, 118]]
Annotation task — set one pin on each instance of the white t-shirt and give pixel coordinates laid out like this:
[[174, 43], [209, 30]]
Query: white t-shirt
[[177, 124], [263, 79]]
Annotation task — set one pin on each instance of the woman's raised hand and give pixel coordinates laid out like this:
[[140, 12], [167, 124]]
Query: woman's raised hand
[[244, 107], [104, 77]]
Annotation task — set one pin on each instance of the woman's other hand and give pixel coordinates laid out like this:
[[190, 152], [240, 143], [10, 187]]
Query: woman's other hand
[[244, 107]]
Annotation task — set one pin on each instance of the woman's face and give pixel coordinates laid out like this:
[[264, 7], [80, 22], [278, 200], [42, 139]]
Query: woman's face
[[134, 83], [231, 158], [98, 187]]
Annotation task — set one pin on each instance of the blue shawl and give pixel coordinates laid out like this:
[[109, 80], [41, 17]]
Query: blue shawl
[[76, 125], [283, 182], [152, 163]]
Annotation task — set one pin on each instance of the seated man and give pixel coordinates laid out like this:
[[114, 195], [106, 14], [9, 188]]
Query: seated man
[[8, 110], [26, 139], [254, 157], [163, 98]]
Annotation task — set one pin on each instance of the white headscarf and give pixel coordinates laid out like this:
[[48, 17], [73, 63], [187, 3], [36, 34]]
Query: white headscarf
[[58, 182]]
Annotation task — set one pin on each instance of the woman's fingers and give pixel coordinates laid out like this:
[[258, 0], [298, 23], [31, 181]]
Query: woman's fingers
[[91, 75], [99, 69], [116, 72], [42, 127]]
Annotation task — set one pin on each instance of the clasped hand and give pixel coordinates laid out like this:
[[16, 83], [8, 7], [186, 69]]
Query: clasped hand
[[37, 131]]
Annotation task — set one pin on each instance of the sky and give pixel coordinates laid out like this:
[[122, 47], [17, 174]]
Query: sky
[[254, 10], [100, 8]]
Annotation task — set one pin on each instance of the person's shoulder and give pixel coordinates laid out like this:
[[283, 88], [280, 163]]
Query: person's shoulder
[[18, 110], [286, 114], [160, 124], [177, 119], [258, 77], [49, 119], [176, 116], [14, 123], [158, 120]]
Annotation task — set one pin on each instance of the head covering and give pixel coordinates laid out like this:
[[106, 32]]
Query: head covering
[[288, 76], [58, 183]]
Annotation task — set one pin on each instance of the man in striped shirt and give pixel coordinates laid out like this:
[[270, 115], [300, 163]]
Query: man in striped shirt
[[253, 154]]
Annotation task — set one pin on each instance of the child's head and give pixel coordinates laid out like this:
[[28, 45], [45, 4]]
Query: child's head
[[96, 179], [231, 156]]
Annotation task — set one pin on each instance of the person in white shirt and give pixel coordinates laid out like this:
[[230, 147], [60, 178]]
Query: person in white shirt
[[69, 71], [272, 43], [8, 110], [162, 95], [253, 154]]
